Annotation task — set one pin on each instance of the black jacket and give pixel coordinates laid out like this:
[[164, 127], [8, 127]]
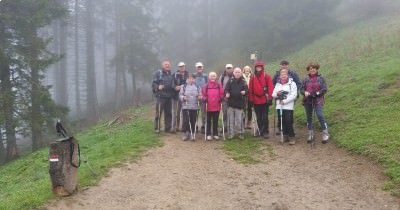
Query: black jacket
[[234, 87], [161, 77]]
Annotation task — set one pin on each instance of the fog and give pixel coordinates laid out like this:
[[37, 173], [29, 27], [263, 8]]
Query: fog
[[96, 57]]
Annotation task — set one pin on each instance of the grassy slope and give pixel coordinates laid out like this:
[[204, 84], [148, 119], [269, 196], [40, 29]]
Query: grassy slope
[[362, 68], [25, 183]]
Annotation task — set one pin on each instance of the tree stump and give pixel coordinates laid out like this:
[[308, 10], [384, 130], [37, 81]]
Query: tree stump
[[64, 162]]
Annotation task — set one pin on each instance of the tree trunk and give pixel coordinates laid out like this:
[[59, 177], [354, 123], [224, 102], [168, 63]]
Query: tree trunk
[[2, 149], [36, 118], [118, 58], [77, 78], [8, 111], [91, 109], [64, 163], [63, 78]]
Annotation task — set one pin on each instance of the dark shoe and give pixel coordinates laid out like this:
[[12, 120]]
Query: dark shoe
[[286, 138], [278, 133], [325, 142]]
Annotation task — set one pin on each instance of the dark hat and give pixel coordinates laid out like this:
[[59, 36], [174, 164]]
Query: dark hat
[[284, 62]]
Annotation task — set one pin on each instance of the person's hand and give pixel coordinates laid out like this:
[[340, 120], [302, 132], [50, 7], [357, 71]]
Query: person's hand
[[227, 95], [178, 88], [269, 102], [306, 94], [160, 87], [243, 92], [279, 93]]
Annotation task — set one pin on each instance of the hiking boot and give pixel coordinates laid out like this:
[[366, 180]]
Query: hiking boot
[[209, 138], [248, 126], [286, 138], [186, 136], [292, 141], [278, 133], [310, 136], [325, 136], [216, 137]]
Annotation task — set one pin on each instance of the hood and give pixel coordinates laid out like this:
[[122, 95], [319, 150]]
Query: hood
[[259, 63]]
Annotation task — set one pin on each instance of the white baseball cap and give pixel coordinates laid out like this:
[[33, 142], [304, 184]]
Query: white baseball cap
[[198, 64], [181, 64], [228, 66]]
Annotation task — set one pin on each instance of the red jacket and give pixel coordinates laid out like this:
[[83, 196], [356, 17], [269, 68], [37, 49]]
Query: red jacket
[[260, 85], [213, 94]]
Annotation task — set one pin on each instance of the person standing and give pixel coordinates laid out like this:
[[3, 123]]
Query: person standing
[[248, 105], [295, 77], [201, 81], [180, 77], [235, 91], [212, 97], [163, 86], [314, 89], [223, 80], [260, 94], [285, 92], [190, 95]]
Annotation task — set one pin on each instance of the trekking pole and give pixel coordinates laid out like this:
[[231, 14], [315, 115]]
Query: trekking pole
[[159, 118], [223, 125], [274, 119], [280, 111], [312, 145], [176, 116], [195, 124], [205, 126], [190, 124]]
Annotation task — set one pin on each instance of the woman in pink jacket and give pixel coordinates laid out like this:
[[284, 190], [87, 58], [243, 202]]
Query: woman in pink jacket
[[213, 95]]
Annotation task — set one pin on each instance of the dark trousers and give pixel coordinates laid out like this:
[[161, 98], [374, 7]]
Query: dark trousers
[[287, 122], [212, 118], [261, 111], [163, 105], [279, 119], [189, 118], [249, 111]]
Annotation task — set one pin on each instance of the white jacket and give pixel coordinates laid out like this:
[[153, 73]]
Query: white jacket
[[288, 103]]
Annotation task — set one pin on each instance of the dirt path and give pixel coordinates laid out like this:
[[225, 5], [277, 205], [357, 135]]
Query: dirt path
[[199, 175]]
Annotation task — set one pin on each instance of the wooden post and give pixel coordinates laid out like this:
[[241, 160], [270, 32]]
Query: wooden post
[[64, 162]]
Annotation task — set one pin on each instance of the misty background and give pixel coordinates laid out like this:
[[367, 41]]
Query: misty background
[[83, 60]]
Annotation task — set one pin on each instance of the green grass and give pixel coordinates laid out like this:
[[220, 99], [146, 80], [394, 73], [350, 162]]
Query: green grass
[[25, 183], [251, 150], [362, 67]]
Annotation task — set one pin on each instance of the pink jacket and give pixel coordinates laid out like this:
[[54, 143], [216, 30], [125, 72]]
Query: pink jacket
[[213, 94]]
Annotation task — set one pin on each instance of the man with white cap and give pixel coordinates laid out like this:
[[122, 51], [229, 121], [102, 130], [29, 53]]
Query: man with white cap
[[180, 77], [223, 80], [201, 81]]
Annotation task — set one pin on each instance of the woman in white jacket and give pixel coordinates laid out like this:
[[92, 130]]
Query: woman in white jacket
[[285, 92]]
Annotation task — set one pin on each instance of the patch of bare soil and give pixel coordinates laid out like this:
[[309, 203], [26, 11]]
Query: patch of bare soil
[[199, 175]]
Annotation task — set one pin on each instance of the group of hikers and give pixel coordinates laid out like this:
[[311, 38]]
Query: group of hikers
[[242, 95]]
